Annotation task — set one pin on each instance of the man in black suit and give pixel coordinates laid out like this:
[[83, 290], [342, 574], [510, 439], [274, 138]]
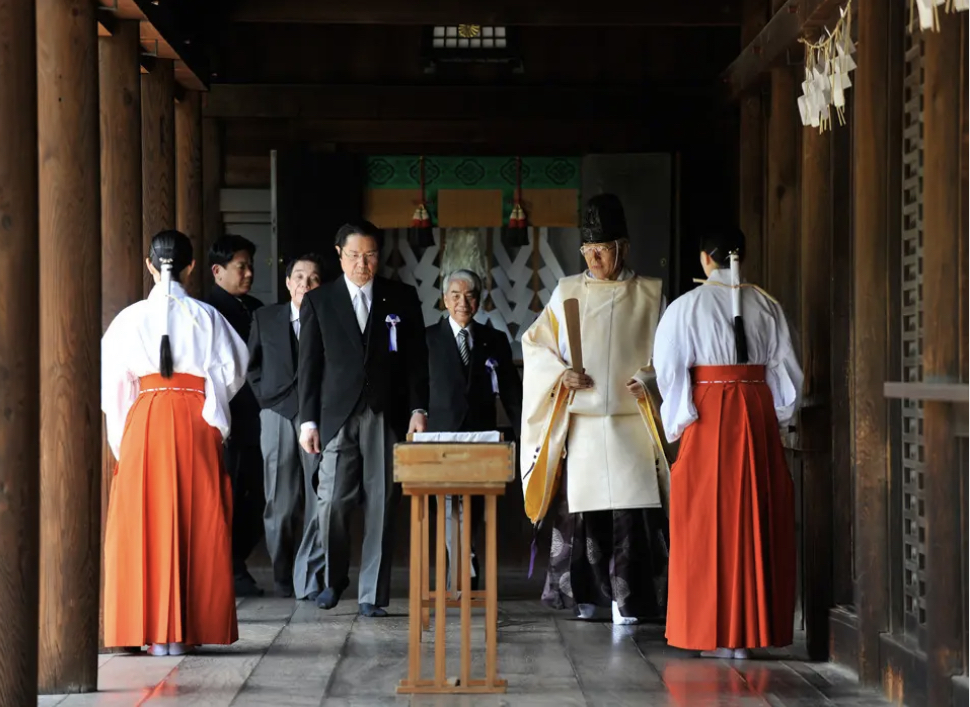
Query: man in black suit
[[363, 386], [288, 471], [231, 260], [470, 365]]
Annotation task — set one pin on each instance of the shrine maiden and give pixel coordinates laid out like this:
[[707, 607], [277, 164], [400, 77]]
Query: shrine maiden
[[728, 374], [608, 549], [170, 366]]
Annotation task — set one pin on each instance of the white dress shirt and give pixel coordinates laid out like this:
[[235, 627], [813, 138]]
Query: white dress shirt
[[203, 344], [456, 328], [698, 330], [295, 319]]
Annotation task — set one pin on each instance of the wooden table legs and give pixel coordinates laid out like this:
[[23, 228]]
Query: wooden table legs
[[422, 599]]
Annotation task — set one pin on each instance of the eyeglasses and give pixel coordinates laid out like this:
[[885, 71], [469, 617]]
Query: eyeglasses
[[597, 249], [354, 257]]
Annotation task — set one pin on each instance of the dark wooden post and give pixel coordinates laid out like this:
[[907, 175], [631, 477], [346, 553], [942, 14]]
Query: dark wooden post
[[211, 185], [19, 373], [816, 416], [158, 154], [122, 260], [874, 158], [942, 234], [70, 317], [188, 180], [751, 181]]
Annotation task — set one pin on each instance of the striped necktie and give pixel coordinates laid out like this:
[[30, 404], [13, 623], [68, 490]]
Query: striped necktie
[[463, 347]]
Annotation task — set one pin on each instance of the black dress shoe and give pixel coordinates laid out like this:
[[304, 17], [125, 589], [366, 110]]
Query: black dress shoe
[[372, 612], [328, 598], [312, 596], [246, 586], [284, 590]]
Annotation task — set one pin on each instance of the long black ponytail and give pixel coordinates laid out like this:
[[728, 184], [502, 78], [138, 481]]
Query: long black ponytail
[[170, 253]]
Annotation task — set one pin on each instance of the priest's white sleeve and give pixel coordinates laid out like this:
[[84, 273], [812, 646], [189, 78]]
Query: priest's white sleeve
[[783, 372], [673, 358], [119, 387], [225, 374]]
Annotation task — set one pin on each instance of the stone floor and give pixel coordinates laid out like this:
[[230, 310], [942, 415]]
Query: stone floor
[[291, 653]]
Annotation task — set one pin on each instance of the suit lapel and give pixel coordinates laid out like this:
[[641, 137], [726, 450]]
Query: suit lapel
[[479, 351], [450, 346], [378, 313], [285, 332], [344, 308]]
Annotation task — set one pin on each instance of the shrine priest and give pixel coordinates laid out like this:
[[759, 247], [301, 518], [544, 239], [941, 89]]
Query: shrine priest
[[728, 374], [588, 431]]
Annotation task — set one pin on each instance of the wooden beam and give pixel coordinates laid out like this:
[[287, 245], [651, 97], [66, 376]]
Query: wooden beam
[[794, 19], [19, 345], [158, 155], [943, 330], [121, 251], [815, 429], [781, 233], [436, 102], [70, 316], [874, 156], [499, 12], [188, 180], [751, 156]]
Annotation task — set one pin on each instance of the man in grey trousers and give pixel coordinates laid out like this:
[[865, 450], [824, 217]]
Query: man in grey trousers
[[289, 473], [363, 386]]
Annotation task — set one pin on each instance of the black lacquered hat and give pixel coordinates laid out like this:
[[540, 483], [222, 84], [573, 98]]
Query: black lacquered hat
[[603, 220]]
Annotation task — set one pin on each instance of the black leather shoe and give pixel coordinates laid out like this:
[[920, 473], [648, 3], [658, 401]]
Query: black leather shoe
[[372, 612], [284, 590], [328, 598], [246, 586]]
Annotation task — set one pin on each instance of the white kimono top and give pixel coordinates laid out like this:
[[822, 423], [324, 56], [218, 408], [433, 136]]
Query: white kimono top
[[698, 330], [203, 344]]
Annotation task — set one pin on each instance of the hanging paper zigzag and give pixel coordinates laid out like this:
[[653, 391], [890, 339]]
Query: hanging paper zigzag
[[828, 64]]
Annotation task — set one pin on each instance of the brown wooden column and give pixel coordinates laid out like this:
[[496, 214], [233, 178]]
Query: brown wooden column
[[19, 373], [70, 332], [122, 261], [816, 416], [874, 157], [188, 179], [781, 235], [212, 165], [751, 178], [158, 154], [942, 234]]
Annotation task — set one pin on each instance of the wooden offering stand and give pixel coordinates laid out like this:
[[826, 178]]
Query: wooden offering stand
[[426, 469]]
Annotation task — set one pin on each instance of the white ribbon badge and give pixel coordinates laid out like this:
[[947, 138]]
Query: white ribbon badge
[[392, 321], [491, 364]]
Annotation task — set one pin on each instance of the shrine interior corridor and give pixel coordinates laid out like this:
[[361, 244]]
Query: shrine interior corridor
[[291, 653]]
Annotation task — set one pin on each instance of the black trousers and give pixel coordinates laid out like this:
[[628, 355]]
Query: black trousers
[[244, 464]]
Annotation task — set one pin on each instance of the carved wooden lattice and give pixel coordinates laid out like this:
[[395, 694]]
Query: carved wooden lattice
[[519, 284], [911, 282]]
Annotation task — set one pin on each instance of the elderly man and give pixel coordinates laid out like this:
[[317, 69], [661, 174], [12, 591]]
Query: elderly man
[[602, 547], [363, 386], [288, 471], [470, 365]]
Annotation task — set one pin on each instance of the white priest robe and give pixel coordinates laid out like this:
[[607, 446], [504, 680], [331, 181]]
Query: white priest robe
[[612, 456]]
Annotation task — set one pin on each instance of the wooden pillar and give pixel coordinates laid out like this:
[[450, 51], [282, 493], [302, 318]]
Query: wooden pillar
[[70, 316], [19, 373], [751, 181], [212, 165], [158, 154], [122, 260], [942, 234], [874, 157], [188, 180], [781, 236], [816, 416]]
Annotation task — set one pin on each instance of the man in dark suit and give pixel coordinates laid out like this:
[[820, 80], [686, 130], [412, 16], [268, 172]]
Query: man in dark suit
[[231, 260], [288, 471], [470, 365], [363, 386]]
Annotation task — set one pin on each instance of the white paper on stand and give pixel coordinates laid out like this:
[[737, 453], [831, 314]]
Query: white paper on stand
[[458, 437]]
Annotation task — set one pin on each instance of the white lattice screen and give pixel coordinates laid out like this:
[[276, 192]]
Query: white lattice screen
[[519, 283]]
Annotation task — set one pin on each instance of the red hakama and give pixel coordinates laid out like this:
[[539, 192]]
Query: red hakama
[[167, 552], [732, 519]]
